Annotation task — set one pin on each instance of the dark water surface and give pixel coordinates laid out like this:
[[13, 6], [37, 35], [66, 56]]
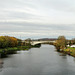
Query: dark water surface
[[38, 61]]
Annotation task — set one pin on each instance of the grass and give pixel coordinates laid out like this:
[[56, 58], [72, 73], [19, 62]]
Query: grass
[[70, 51], [12, 50]]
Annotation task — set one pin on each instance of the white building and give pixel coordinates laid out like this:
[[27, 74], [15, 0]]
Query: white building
[[72, 46], [68, 45]]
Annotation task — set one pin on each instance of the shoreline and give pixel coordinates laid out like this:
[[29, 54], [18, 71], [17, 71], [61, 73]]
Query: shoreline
[[68, 51], [12, 50]]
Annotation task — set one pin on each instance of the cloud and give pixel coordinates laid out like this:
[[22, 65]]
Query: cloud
[[36, 31], [40, 34], [38, 11], [37, 18]]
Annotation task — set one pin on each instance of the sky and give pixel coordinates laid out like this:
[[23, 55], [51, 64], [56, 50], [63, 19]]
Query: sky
[[37, 18]]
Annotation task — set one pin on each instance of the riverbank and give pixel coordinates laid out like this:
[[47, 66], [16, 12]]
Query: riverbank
[[70, 51], [12, 50]]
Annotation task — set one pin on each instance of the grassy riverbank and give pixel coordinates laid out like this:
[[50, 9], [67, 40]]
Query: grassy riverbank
[[70, 51], [61, 45], [12, 50]]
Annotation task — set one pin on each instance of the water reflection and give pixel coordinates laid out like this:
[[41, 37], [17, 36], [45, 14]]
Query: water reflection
[[1, 65], [74, 59], [61, 54]]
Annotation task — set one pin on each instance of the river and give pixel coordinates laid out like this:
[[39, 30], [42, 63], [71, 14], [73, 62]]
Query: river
[[38, 61]]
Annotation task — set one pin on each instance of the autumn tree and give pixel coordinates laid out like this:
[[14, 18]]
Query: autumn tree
[[13, 42], [60, 43], [3, 41], [6, 41]]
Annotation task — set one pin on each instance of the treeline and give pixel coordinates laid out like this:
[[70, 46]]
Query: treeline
[[71, 42], [9, 45], [61, 43], [7, 41]]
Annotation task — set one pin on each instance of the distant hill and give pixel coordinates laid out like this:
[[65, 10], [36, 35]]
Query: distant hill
[[46, 39]]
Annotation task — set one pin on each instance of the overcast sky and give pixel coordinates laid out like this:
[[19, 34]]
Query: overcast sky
[[37, 18]]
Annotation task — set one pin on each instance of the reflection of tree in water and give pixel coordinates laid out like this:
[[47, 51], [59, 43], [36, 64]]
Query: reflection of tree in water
[[74, 59], [1, 65]]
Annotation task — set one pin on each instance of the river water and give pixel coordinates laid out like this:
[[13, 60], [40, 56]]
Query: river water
[[38, 61]]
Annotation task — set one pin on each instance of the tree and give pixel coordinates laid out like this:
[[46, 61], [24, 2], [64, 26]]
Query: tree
[[13, 42], [6, 41], [60, 43], [73, 41], [19, 42], [28, 41]]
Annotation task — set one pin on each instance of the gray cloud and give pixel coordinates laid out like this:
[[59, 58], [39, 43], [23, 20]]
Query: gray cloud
[[37, 18]]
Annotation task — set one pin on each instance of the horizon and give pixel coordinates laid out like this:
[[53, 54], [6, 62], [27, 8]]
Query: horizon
[[24, 38]]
